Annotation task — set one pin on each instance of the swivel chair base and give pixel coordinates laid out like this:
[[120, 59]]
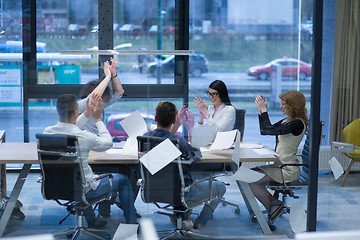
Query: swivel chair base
[[80, 229]]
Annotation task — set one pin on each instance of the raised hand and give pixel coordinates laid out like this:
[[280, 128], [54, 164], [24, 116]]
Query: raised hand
[[189, 120], [107, 69], [261, 104], [99, 107], [113, 66], [202, 107]]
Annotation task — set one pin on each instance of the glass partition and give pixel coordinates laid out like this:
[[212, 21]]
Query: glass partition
[[11, 112], [145, 25]]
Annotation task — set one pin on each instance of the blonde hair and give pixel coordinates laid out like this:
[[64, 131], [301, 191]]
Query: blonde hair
[[295, 102]]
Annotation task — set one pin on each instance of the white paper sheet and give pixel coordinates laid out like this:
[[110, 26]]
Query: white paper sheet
[[298, 217], [236, 154], [336, 167], [223, 140], [263, 151], [203, 149], [251, 145], [203, 136], [245, 175], [160, 156], [126, 232], [134, 125], [130, 147], [114, 151]]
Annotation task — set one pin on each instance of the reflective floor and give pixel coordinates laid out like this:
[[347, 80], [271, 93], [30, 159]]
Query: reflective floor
[[338, 210]]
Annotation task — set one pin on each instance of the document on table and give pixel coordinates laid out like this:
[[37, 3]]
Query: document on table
[[251, 145], [264, 151], [160, 156], [223, 140], [114, 151], [130, 147], [202, 136]]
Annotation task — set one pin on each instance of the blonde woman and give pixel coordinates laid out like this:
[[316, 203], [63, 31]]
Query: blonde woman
[[289, 133]]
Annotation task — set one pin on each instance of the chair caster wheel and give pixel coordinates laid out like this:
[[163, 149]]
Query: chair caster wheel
[[237, 210], [107, 236], [272, 228], [69, 236], [224, 204], [253, 219]]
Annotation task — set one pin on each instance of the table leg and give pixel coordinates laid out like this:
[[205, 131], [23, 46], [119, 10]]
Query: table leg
[[13, 197], [253, 206], [3, 178]]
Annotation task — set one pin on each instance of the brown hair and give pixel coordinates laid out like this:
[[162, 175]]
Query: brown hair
[[295, 102], [165, 113], [66, 104]]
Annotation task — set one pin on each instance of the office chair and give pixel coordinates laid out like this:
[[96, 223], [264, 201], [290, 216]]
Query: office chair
[[287, 189], [240, 121], [239, 125], [63, 180], [166, 188], [351, 135]]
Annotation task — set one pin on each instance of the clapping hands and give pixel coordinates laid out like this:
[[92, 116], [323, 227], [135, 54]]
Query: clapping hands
[[202, 107], [94, 107], [261, 104]]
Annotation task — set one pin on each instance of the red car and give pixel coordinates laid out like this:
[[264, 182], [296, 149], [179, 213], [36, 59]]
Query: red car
[[117, 131], [289, 69], [115, 128]]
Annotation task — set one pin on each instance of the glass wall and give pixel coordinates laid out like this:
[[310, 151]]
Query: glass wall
[[256, 47], [255, 50], [11, 116]]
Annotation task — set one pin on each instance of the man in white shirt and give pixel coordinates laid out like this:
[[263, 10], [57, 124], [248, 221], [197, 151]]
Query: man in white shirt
[[68, 111]]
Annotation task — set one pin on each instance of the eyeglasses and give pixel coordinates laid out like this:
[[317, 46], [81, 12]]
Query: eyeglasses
[[213, 94]]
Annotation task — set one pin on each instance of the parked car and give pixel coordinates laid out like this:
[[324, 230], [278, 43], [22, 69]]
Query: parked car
[[131, 29], [78, 29], [167, 30], [289, 69], [198, 64]]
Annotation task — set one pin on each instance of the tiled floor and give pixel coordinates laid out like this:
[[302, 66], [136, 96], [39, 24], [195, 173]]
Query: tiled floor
[[338, 209]]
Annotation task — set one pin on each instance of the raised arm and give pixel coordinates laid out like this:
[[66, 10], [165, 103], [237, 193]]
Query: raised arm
[[99, 90], [118, 89]]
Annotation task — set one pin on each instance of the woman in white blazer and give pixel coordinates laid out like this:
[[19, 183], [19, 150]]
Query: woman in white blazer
[[221, 112]]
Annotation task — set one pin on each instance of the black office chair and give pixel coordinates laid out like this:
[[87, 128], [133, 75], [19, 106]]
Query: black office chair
[[240, 122], [287, 189], [63, 180], [166, 188]]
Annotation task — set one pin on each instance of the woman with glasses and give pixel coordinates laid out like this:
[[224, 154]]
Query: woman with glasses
[[221, 112]]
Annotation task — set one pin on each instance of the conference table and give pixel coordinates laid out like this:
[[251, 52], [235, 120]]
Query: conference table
[[26, 154]]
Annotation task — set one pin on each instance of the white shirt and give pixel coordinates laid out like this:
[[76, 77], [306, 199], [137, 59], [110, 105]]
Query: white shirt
[[87, 141], [223, 118]]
